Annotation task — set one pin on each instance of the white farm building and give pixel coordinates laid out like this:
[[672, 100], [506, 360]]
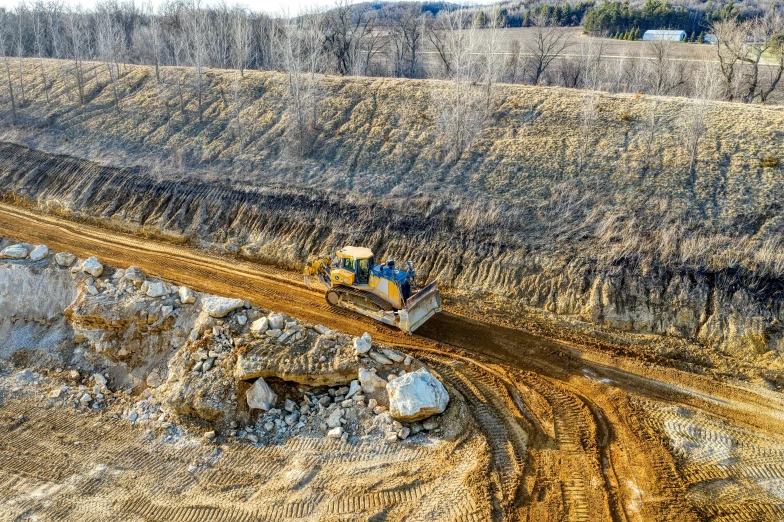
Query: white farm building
[[664, 34]]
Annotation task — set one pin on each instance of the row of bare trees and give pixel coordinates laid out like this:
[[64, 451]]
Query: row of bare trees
[[399, 40]]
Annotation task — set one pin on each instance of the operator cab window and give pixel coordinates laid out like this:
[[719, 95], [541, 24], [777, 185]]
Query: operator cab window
[[364, 271], [349, 264]]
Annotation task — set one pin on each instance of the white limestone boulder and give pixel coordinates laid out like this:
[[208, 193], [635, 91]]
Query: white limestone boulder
[[259, 326], [157, 289], [92, 266], [187, 296], [373, 386], [14, 252], [221, 306], [260, 396], [416, 396], [362, 344], [276, 321], [64, 258], [39, 252]]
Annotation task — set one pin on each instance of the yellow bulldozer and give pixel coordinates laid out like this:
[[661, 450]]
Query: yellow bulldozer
[[383, 292]]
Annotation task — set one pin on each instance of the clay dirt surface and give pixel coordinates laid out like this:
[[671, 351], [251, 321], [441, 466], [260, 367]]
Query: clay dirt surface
[[557, 431]]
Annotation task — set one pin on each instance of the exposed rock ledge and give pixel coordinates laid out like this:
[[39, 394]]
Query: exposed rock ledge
[[205, 356]]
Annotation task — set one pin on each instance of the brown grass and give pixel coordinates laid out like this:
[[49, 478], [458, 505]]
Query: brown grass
[[630, 199]]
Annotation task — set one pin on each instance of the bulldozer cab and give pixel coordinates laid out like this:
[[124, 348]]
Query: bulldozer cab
[[356, 260]]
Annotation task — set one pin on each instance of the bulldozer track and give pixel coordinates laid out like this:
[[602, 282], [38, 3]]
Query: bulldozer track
[[560, 445]]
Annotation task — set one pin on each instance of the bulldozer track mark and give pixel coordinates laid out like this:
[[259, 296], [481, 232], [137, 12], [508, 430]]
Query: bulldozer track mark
[[560, 445], [507, 439]]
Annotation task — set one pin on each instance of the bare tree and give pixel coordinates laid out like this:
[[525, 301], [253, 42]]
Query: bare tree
[[492, 65], [4, 41], [548, 43], [461, 114], [666, 74], [39, 43], [301, 58], [766, 38], [21, 11], [110, 48], [55, 27], [197, 30], [219, 44], [730, 49], [240, 39], [79, 47], [155, 39], [351, 38], [406, 33], [693, 120]]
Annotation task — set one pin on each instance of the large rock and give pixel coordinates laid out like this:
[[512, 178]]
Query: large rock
[[92, 266], [369, 381], [221, 306], [187, 296], [362, 344], [39, 252], [260, 396], [416, 396], [135, 275], [276, 321], [259, 326], [157, 289], [333, 421], [14, 252], [373, 386], [64, 258]]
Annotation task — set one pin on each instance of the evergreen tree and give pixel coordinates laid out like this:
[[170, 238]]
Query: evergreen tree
[[636, 33], [527, 19], [701, 39], [693, 37], [481, 19]]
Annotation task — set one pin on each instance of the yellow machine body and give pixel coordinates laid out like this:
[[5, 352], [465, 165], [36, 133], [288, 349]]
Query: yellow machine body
[[382, 291]]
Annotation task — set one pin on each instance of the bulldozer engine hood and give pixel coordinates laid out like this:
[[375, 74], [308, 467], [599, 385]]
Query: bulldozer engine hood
[[393, 274]]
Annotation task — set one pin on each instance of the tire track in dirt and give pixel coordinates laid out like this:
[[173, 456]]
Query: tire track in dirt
[[563, 446]]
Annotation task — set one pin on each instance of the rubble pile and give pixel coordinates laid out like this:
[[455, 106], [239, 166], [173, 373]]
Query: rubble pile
[[151, 352]]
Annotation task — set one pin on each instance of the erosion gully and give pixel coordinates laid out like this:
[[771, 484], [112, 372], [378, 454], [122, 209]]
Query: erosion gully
[[568, 441]]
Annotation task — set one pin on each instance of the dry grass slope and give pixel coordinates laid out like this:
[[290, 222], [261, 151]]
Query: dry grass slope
[[611, 168]]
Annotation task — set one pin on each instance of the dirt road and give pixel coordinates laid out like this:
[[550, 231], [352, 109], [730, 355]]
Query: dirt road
[[576, 433]]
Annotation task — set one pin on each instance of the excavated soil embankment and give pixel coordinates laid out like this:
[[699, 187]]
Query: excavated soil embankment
[[733, 317]]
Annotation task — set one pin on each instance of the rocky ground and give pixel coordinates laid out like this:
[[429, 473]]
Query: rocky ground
[[125, 396], [81, 340]]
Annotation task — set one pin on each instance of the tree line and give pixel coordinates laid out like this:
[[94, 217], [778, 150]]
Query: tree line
[[398, 40]]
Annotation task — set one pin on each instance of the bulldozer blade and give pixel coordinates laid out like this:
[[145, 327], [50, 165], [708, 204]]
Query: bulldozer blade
[[422, 306]]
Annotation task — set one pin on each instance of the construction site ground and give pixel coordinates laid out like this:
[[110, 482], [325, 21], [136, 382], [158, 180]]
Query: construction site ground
[[564, 431]]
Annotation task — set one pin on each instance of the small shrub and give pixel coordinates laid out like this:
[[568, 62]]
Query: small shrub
[[770, 162], [625, 116]]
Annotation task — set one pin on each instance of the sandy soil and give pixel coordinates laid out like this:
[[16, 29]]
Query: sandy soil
[[572, 431]]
